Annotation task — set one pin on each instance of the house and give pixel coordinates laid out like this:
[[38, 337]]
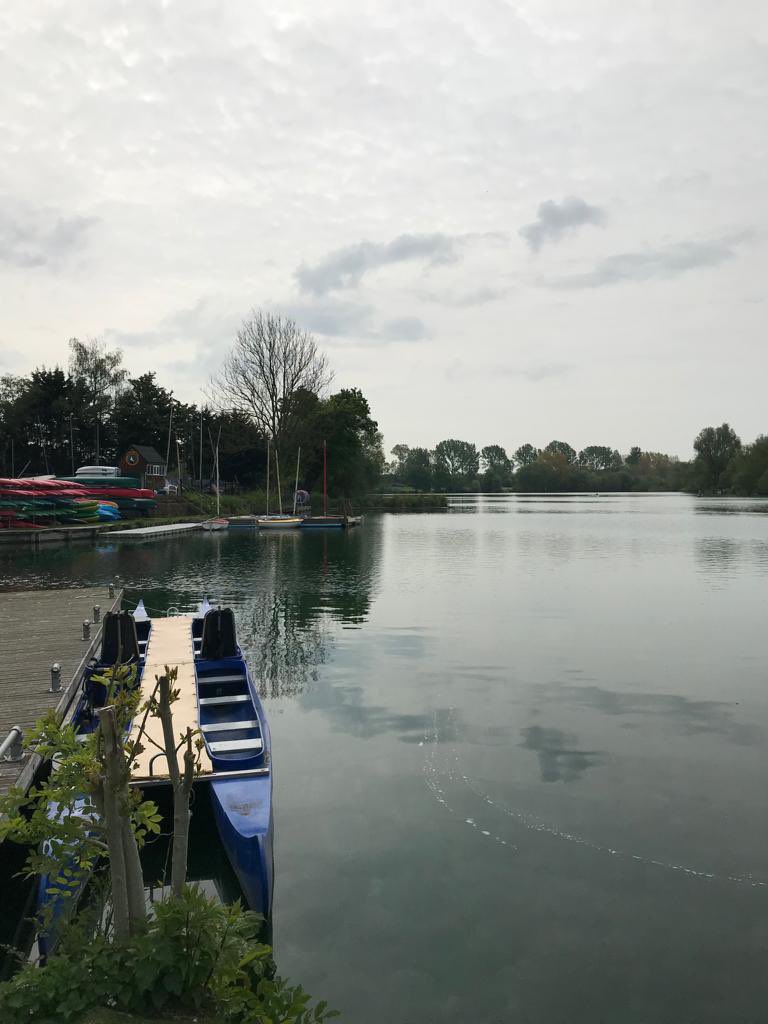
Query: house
[[146, 463]]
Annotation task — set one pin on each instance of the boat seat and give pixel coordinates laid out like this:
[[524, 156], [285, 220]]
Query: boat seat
[[119, 642], [250, 723], [222, 679], [236, 698], [230, 746], [219, 640]]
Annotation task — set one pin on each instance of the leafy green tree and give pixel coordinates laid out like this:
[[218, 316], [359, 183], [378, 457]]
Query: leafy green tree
[[98, 372], [562, 448], [635, 454], [416, 470], [749, 468], [456, 464], [497, 468], [526, 454], [400, 452], [598, 457], [714, 447], [355, 452]]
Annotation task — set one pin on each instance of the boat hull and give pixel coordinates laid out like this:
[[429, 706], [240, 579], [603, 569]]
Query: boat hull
[[278, 523], [243, 811]]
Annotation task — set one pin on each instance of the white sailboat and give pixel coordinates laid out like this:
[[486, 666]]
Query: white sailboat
[[280, 521], [217, 523]]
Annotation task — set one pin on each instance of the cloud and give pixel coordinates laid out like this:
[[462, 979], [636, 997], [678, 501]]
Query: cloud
[[332, 318], [345, 268], [404, 328], [554, 220], [39, 238], [477, 297], [653, 264]]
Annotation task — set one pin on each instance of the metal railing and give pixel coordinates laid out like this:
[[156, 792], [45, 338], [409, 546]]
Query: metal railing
[[12, 747]]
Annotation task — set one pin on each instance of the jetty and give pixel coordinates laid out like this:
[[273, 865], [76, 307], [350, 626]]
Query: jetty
[[149, 532], [52, 535], [46, 640]]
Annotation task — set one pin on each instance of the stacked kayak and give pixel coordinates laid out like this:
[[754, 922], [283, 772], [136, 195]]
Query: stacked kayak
[[32, 503], [125, 491]]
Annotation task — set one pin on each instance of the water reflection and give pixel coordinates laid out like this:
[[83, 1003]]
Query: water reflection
[[559, 759], [690, 717]]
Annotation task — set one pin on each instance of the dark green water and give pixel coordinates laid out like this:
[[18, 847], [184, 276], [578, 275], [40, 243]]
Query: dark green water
[[520, 751]]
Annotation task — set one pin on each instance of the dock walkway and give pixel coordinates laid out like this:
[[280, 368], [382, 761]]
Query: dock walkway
[[38, 628], [147, 532], [170, 643]]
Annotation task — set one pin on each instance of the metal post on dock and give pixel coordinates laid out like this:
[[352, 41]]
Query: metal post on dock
[[97, 613], [86, 629], [12, 747], [111, 589], [55, 677]]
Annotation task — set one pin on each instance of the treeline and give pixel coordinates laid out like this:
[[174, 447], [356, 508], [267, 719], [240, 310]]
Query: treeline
[[56, 419], [722, 465]]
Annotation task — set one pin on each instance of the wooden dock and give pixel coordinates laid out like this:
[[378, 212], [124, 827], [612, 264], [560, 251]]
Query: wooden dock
[[150, 532], [38, 628], [51, 535], [170, 643]]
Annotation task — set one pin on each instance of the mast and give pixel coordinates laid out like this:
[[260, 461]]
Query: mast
[[201, 450], [267, 512], [296, 485], [168, 446], [218, 487], [279, 495], [325, 479]]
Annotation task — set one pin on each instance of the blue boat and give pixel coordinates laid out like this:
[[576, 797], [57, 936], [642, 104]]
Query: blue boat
[[238, 743], [225, 707], [125, 638]]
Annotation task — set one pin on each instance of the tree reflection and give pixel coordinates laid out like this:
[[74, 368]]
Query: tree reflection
[[559, 759]]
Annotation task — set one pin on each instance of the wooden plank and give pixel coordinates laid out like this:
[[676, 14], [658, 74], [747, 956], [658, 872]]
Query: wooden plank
[[170, 643], [39, 628]]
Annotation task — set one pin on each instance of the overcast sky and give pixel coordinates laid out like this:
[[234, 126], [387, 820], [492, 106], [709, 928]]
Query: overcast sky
[[503, 222]]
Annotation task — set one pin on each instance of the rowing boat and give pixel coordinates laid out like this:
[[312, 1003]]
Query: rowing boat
[[218, 698]]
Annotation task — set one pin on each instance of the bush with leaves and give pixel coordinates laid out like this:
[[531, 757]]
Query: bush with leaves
[[191, 952], [194, 954]]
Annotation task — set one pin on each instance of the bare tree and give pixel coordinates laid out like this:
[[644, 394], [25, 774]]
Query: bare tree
[[272, 360]]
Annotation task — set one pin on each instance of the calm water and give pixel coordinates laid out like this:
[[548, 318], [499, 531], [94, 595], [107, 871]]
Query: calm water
[[520, 751]]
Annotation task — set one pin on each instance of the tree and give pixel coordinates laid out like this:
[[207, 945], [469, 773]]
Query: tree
[[416, 469], [748, 471], [562, 448], [496, 466], [456, 464], [598, 457], [271, 361], [98, 372], [526, 454], [714, 447], [355, 452], [400, 452], [635, 453]]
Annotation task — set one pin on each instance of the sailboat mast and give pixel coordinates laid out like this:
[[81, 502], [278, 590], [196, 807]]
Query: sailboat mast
[[268, 454], [325, 479], [277, 474], [296, 485], [218, 486]]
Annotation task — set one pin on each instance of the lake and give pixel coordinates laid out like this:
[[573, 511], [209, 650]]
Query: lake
[[519, 749]]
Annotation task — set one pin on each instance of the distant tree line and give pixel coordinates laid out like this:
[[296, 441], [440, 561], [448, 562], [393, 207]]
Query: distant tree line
[[273, 387], [722, 465]]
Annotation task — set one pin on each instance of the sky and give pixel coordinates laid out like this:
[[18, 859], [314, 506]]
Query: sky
[[504, 222]]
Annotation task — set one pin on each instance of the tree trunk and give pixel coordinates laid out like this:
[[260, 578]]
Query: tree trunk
[[181, 784], [113, 783]]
